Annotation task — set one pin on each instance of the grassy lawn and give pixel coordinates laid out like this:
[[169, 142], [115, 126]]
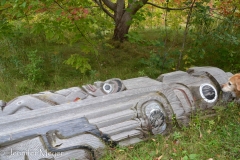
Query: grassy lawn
[[46, 68], [52, 45], [209, 138]]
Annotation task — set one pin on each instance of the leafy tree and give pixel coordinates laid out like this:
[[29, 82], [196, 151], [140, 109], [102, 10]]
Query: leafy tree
[[79, 13], [122, 12], [51, 21], [70, 21]]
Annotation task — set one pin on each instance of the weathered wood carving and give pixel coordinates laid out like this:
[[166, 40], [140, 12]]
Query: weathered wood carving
[[78, 123]]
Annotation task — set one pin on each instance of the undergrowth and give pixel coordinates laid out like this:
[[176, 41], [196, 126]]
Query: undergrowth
[[43, 67], [30, 68], [38, 53]]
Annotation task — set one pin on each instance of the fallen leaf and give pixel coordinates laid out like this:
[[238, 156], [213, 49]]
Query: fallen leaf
[[200, 134], [209, 131], [159, 158], [176, 142], [166, 145], [120, 150]]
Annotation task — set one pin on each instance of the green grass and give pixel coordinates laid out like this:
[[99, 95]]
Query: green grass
[[214, 137], [113, 60], [217, 138]]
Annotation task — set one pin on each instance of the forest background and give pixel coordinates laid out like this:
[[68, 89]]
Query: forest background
[[55, 44]]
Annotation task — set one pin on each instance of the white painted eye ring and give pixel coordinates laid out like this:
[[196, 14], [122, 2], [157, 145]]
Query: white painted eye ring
[[208, 92], [107, 88]]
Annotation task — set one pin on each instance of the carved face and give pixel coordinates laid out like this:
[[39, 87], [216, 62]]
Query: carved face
[[102, 88]]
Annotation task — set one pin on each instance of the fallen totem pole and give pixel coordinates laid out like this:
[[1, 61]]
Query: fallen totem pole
[[78, 123]]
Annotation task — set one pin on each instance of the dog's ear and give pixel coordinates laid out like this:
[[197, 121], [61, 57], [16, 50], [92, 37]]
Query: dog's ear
[[238, 84]]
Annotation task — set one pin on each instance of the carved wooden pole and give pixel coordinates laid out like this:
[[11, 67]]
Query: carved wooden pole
[[79, 123]]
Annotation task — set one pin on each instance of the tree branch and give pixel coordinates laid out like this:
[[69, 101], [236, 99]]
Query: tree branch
[[99, 3], [55, 1], [135, 5], [109, 4], [167, 8]]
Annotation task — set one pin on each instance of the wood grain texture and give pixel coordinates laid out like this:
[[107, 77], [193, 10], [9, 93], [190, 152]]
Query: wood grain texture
[[219, 75], [122, 117], [193, 79], [186, 98]]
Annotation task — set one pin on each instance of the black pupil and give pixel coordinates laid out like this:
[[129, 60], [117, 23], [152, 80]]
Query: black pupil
[[107, 87], [229, 84], [208, 92]]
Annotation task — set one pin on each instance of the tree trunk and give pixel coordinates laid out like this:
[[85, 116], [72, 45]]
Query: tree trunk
[[122, 27], [121, 14]]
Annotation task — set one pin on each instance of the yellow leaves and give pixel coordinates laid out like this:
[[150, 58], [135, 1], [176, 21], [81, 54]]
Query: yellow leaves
[[209, 131], [185, 57], [120, 150], [200, 134], [159, 158], [130, 147]]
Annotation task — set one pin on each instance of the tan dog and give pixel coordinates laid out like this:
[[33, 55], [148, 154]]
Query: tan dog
[[233, 85]]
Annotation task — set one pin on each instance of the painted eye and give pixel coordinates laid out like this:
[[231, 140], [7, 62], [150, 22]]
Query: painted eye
[[107, 88], [229, 83]]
